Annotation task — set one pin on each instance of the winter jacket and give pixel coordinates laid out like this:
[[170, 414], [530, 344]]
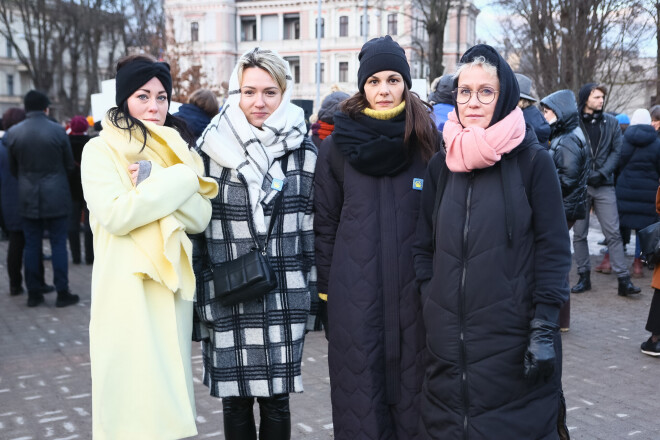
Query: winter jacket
[[480, 290], [269, 332], [40, 157], [541, 128], [364, 229], [8, 193], [639, 172], [655, 283], [570, 152], [440, 112], [77, 141], [605, 157], [195, 118]]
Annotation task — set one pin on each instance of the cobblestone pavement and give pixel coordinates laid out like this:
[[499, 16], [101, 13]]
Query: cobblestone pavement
[[612, 390]]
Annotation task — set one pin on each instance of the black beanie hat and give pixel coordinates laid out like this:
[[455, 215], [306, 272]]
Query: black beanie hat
[[507, 99], [35, 100], [380, 54], [134, 74]]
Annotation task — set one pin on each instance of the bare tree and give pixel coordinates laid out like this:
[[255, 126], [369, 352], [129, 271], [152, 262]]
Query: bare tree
[[435, 14], [566, 43]]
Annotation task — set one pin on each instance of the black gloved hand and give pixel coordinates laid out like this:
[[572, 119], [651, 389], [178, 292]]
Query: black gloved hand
[[540, 354], [595, 179]]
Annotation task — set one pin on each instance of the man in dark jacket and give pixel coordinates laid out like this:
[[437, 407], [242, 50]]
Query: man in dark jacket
[[532, 114], [605, 139], [40, 157]]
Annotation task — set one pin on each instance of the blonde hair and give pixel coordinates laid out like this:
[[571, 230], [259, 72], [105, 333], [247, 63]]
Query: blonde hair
[[478, 61], [266, 60]]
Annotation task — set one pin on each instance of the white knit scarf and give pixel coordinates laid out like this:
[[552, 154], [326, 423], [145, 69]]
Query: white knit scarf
[[233, 143]]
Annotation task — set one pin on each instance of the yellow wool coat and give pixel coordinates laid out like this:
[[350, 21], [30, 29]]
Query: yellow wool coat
[[141, 311]]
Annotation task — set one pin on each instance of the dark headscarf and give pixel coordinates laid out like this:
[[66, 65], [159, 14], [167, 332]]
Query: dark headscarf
[[133, 75], [507, 99]]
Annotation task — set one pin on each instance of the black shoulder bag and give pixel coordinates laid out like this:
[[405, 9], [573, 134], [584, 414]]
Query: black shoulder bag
[[249, 276]]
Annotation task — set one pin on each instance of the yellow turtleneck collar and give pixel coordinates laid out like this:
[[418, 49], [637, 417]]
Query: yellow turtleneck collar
[[384, 115]]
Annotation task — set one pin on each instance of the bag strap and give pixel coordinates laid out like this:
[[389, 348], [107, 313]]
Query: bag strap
[[276, 207], [439, 190]]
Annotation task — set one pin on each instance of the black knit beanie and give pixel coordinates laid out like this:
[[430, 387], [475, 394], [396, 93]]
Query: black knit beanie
[[34, 100], [380, 54], [133, 75], [507, 99]]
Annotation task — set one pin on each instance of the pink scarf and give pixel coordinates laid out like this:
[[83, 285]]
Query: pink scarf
[[475, 148]]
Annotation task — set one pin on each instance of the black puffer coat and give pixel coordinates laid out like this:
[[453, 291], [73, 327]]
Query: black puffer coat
[[364, 234], [571, 153], [637, 184], [480, 291]]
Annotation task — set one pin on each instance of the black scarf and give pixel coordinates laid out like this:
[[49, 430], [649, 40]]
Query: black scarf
[[373, 147]]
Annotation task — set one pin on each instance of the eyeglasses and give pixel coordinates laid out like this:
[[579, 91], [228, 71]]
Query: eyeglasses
[[463, 95]]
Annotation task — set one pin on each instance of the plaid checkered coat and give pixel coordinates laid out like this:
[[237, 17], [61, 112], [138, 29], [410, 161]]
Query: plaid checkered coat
[[255, 348]]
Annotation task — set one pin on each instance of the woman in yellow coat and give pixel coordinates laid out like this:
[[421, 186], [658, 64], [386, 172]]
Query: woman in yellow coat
[[145, 192]]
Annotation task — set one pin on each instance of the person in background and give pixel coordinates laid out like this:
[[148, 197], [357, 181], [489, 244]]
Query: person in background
[[325, 124], [367, 189], [78, 138], [624, 121], [492, 256], [145, 192], [570, 151], [201, 108], [40, 157], [441, 99], [604, 135], [651, 346], [655, 117], [532, 114], [638, 175], [257, 151], [11, 215]]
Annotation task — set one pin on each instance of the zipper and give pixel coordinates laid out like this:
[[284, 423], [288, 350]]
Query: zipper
[[461, 307]]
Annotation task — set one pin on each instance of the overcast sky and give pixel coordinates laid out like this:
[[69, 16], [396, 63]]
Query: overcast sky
[[489, 30]]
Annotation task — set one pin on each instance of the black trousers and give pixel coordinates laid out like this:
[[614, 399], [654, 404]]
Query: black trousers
[[78, 210], [653, 321], [275, 418]]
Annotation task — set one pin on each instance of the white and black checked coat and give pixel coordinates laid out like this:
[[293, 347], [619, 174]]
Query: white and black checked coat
[[255, 348]]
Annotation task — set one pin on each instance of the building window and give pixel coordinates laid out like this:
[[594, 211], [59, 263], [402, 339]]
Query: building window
[[194, 31], [316, 28], [10, 85], [391, 24], [343, 26], [343, 71], [362, 33], [294, 65], [270, 28], [249, 28], [291, 26], [322, 73]]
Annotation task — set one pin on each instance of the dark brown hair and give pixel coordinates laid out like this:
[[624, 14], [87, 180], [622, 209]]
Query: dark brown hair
[[206, 100], [11, 117], [122, 119], [421, 133]]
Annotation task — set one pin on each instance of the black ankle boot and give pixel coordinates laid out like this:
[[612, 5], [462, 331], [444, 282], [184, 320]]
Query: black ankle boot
[[626, 287], [583, 284]]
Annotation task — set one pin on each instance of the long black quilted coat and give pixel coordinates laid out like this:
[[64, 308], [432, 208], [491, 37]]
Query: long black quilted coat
[[638, 180], [364, 264], [480, 291]]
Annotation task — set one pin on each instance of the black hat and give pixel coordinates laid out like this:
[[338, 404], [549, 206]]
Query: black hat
[[380, 54], [136, 73], [507, 99], [34, 100]]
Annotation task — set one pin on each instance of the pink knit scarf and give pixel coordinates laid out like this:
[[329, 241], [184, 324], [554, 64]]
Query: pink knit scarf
[[475, 148]]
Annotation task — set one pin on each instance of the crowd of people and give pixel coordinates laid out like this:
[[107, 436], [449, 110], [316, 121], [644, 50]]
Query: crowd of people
[[430, 240]]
